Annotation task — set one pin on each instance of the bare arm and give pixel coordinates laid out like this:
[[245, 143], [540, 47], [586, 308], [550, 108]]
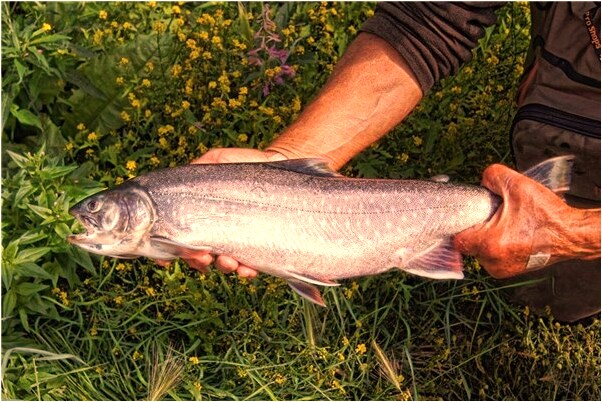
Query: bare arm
[[370, 91]]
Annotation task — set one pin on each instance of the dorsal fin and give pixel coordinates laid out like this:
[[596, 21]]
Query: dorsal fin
[[554, 173], [310, 166]]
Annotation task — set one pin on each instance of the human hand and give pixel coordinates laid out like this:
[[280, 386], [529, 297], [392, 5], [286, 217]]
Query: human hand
[[226, 263], [532, 221]]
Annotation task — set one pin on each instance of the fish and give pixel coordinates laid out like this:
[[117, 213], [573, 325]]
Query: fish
[[295, 219]]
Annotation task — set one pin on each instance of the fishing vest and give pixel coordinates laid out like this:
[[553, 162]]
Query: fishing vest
[[559, 95]]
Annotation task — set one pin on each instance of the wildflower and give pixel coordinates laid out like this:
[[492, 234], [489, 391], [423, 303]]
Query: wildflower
[[150, 291], [345, 341], [118, 300], [175, 10], [131, 165], [417, 140], [204, 35], [92, 136], [243, 91], [279, 379], [93, 331], [119, 80], [69, 146], [166, 129], [148, 114], [360, 349], [146, 83], [456, 89], [127, 25], [136, 355], [152, 4], [46, 27], [176, 70], [194, 360], [125, 116], [243, 138], [207, 55], [159, 27], [124, 61], [102, 14], [89, 152], [118, 180], [403, 158], [197, 385], [135, 103]]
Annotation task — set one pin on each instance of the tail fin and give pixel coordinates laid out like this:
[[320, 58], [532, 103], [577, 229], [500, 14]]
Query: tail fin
[[554, 173]]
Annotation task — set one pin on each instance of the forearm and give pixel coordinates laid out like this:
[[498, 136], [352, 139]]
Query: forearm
[[581, 235], [370, 91]]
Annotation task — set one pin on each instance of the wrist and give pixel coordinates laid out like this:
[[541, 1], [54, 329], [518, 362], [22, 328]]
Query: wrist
[[580, 235]]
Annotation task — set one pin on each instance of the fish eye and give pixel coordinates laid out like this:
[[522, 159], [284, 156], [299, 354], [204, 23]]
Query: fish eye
[[94, 206]]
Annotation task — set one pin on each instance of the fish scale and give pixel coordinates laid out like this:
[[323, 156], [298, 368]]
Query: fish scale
[[294, 219]]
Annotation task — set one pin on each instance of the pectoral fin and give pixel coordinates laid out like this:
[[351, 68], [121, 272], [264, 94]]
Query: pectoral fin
[[308, 291], [176, 249], [441, 261]]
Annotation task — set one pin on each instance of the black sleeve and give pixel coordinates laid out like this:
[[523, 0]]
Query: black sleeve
[[433, 38]]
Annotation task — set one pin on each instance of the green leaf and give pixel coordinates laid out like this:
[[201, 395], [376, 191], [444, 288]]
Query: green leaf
[[32, 270], [9, 302], [31, 255], [49, 39], [25, 116], [62, 230], [82, 258], [21, 70], [42, 212], [23, 317], [20, 160], [28, 289]]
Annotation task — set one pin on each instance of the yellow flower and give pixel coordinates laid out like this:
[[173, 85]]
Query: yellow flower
[[279, 379], [131, 165], [81, 127], [243, 138], [127, 25], [46, 27], [125, 116], [417, 140], [146, 83], [159, 27], [360, 349], [118, 300], [136, 355], [152, 4], [93, 331], [124, 61], [243, 91], [194, 360], [118, 181], [148, 114], [176, 70], [176, 10], [69, 146], [92, 136], [119, 80], [102, 14], [185, 104], [212, 84], [207, 55], [166, 129], [150, 291]]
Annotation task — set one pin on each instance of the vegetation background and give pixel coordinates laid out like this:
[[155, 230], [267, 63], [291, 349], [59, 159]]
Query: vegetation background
[[96, 93]]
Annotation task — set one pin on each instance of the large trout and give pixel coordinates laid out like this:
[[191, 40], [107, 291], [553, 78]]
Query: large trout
[[294, 219]]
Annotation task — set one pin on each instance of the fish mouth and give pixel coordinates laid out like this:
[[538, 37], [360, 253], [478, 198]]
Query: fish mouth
[[90, 225]]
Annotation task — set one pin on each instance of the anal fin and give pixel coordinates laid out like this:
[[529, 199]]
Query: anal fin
[[306, 290], [441, 261]]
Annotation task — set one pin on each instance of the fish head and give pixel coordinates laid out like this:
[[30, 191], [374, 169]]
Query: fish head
[[116, 221]]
